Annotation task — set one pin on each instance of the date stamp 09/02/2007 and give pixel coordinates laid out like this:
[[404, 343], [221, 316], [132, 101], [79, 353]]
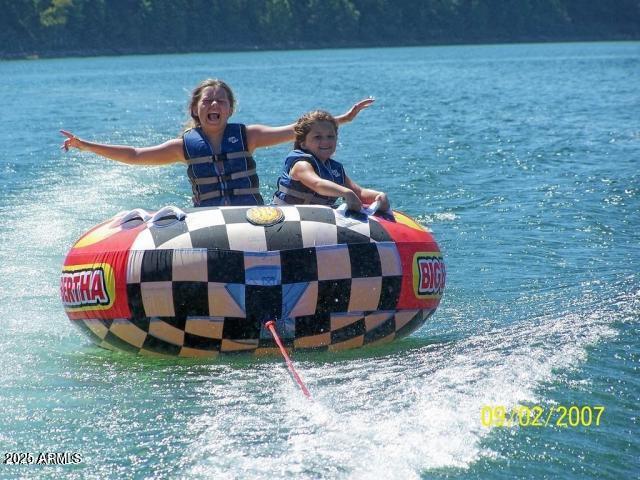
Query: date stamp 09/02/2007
[[41, 458], [539, 416]]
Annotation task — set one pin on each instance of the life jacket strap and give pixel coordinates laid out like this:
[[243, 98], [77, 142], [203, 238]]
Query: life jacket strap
[[220, 157], [226, 193], [307, 198], [223, 178]]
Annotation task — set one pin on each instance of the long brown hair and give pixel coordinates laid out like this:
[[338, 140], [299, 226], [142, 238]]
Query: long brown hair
[[196, 95], [306, 121]]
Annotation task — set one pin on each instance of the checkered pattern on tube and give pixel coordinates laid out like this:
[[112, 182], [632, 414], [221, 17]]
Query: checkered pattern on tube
[[226, 228], [207, 284], [205, 337]]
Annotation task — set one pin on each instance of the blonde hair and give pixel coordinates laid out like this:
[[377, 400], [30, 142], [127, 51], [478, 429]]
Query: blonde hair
[[196, 95], [306, 121]]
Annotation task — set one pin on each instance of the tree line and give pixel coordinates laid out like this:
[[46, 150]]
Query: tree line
[[97, 27]]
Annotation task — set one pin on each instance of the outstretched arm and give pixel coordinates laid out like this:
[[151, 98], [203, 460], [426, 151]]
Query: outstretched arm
[[304, 172], [266, 136], [168, 152], [353, 112], [367, 195]]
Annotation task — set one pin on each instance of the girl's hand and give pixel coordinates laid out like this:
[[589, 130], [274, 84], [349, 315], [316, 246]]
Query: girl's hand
[[70, 141], [355, 110], [352, 200], [385, 206]]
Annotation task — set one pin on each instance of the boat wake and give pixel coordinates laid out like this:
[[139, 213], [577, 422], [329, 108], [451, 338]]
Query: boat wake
[[405, 413]]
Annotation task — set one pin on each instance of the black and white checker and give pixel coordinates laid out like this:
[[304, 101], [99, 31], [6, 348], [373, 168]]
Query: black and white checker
[[206, 284]]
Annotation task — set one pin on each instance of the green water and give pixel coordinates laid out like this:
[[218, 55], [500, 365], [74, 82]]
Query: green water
[[522, 159]]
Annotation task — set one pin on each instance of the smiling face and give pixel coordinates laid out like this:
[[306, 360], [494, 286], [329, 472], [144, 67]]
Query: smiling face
[[214, 108], [321, 140]]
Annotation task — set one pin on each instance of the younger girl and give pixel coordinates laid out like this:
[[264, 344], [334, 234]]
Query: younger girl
[[311, 176], [218, 154]]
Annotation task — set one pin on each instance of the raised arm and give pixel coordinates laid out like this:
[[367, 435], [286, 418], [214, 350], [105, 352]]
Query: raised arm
[[265, 136], [353, 112], [163, 154]]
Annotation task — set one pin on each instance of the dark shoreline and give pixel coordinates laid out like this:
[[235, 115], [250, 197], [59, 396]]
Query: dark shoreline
[[107, 52]]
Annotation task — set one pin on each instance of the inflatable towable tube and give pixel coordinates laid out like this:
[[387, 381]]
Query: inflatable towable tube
[[203, 281]]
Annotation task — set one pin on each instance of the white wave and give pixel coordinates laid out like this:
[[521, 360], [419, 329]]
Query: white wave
[[397, 416], [440, 217]]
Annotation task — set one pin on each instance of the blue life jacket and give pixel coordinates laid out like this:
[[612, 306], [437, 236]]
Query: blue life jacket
[[294, 192], [226, 178]]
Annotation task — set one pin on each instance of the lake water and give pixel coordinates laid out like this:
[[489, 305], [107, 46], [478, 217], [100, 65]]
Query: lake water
[[524, 160]]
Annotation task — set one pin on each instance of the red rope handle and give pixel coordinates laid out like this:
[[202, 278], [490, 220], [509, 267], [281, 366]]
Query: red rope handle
[[271, 326]]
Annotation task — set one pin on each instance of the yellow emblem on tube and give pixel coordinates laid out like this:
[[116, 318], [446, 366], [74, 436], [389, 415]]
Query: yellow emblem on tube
[[265, 216]]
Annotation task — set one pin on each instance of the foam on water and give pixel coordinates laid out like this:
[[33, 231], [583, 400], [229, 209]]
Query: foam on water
[[398, 415]]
